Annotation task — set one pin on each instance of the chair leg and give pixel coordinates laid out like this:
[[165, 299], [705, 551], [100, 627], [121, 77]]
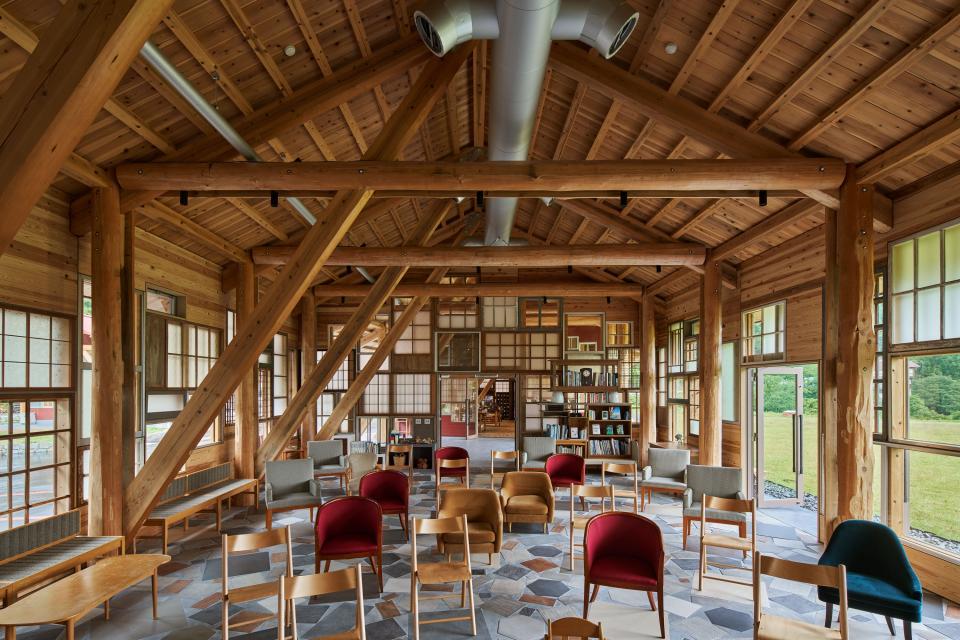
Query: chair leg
[[473, 612], [326, 567], [596, 592], [743, 534], [653, 604], [663, 626], [226, 620], [702, 567], [414, 608], [269, 519], [828, 616], [586, 599], [463, 594], [378, 569], [908, 630], [893, 631], [686, 531]]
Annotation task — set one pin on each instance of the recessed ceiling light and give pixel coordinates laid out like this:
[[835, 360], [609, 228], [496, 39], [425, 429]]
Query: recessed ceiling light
[[670, 48], [290, 51]]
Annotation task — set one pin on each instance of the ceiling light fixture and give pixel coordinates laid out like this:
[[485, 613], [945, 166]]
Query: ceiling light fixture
[[670, 48], [289, 51]]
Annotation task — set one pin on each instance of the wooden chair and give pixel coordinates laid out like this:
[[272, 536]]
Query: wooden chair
[[434, 573], [604, 492], [623, 469], [250, 593], [405, 450], [739, 542], [317, 584], [768, 627], [452, 464], [502, 455], [572, 627]]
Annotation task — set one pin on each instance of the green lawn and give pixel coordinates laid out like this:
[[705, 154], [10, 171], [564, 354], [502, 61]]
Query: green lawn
[[933, 502]]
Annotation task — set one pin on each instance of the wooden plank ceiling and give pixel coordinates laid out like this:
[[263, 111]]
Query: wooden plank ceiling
[[846, 78]]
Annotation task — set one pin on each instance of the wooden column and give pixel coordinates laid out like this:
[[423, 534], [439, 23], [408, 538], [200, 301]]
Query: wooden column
[[106, 483], [58, 93], [856, 350], [308, 361], [896, 460], [245, 411], [648, 376], [129, 330], [828, 377], [711, 337]]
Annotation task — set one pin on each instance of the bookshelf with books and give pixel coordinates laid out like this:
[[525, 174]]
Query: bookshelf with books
[[583, 375], [608, 429]]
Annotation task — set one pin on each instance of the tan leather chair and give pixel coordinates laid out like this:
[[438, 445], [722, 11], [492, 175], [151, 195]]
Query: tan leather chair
[[527, 496], [484, 521]]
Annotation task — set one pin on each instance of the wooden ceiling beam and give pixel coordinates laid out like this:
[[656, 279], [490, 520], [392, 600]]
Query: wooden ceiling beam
[[360, 34], [768, 227], [24, 37], [723, 13], [558, 176], [194, 231], [602, 194], [143, 493], [552, 288], [944, 131], [259, 49], [698, 218], [590, 255], [880, 78], [650, 35], [58, 93], [283, 115], [800, 82], [258, 218]]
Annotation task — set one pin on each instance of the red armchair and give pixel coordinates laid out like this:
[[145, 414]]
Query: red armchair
[[349, 527], [391, 490], [623, 550], [461, 473], [566, 470]]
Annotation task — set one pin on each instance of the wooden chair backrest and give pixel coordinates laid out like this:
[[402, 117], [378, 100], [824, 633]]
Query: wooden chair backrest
[[460, 463], [439, 526], [399, 449], [248, 542], [602, 491], [318, 584], [573, 627], [729, 504], [504, 455], [806, 573], [623, 468]]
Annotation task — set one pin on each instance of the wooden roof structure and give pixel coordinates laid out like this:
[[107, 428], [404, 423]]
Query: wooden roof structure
[[873, 82]]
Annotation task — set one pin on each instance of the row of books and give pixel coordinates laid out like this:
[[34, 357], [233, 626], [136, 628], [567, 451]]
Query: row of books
[[563, 432], [612, 413], [587, 377], [609, 447]]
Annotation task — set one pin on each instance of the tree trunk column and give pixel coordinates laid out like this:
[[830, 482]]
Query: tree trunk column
[[831, 303], [648, 376], [246, 430], [856, 350], [711, 328], [106, 484], [308, 361]]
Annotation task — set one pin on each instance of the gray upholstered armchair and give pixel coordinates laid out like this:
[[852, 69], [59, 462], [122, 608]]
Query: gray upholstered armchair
[[720, 482], [666, 471], [536, 450], [328, 459], [289, 485]]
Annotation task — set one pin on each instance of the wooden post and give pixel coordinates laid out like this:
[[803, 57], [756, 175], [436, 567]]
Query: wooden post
[[106, 483], [308, 361], [896, 459], [856, 350], [129, 326], [828, 377], [711, 336], [245, 412], [281, 299], [58, 93], [648, 376]]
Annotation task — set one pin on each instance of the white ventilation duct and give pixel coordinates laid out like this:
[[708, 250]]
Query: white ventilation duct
[[522, 31]]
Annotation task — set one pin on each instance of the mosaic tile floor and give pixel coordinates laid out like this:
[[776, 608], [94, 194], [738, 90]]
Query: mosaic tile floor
[[529, 583]]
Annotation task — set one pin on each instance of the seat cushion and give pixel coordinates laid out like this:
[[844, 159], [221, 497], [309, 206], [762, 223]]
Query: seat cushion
[[874, 595], [526, 505], [391, 504], [328, 468], [347, 544], [660, 482], [480, 533], [300, 499], [534, 464], [693, 511], [625, 570], [565, 481]]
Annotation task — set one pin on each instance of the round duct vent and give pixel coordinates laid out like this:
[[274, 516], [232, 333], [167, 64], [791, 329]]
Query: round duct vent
[[622, 35], [428, 33]]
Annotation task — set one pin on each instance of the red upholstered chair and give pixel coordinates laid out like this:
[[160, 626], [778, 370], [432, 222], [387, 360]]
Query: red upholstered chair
[[461, 473], [566, 470], [623, 550], [349, 527], [391, 490]]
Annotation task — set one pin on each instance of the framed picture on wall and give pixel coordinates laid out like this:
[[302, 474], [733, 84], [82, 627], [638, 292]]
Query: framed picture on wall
[[573, 343]]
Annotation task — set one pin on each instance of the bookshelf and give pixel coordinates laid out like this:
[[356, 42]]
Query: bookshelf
[[608, 429], [585, 376]]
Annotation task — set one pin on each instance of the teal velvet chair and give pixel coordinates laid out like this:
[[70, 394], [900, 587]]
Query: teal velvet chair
[[880, 579]]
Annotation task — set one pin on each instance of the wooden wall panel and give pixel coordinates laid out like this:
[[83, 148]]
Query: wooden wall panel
[[921, 210]]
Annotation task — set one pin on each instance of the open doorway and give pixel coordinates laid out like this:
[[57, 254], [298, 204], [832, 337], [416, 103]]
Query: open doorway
[[784, 452], [478, 413]]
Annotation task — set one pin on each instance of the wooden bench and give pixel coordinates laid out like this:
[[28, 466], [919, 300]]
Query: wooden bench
[[67, 601], [202, 491], [46, 549]]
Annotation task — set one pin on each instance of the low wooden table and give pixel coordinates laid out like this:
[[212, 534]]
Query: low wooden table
[[66, 601]]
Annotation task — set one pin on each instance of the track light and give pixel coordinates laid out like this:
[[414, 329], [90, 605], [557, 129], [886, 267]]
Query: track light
[[274, 199], [343, 300], [608, 299], [184, 199], [659, 268], [480, 199], [477, 300], [623, 199], [763, 198], [349, 269], [569, 268]]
